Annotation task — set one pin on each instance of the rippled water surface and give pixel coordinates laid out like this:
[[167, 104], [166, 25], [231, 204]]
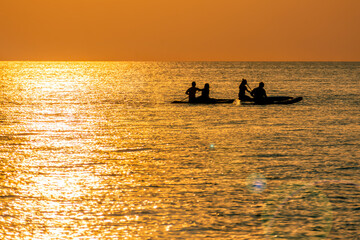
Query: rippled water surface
[[95, 150]]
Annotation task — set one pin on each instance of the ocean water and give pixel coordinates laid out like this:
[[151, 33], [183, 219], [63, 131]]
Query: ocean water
[[96, 150]]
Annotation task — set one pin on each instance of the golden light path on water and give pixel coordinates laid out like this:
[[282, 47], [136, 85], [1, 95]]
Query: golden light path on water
[[57, 165], [94, 150]]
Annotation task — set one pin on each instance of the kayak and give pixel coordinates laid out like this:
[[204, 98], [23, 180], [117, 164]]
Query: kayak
[[209, 101], [275, 100], [269, 100]]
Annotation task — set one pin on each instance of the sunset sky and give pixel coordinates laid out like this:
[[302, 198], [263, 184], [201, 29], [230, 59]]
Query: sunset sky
[[177, 30]]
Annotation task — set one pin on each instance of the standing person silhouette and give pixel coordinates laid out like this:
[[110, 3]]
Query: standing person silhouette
[[192, 92]]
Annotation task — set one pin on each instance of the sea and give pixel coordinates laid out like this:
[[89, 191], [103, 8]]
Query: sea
[[96, 150]]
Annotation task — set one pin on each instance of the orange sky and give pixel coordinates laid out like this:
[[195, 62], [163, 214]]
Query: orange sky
[[234, 30]]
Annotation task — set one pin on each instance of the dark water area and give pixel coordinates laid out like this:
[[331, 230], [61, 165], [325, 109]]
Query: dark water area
[[96, 150]]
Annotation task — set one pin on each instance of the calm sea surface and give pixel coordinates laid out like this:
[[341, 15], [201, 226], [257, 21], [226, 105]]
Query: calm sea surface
[[95, 150]]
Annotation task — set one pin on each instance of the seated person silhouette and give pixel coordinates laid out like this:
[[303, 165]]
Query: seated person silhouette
[[242, 89], [192, 92], [259, 94], [204, 94]]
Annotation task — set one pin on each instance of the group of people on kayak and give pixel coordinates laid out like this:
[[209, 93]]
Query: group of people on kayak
[[193, 90], [258, 94]]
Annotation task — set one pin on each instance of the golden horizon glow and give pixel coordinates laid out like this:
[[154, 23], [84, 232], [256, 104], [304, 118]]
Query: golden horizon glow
[[186, 30]]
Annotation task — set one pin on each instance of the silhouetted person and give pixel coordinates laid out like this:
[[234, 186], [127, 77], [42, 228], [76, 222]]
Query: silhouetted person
[[192, 92], [242, 90], [259, 93], [204, 94]]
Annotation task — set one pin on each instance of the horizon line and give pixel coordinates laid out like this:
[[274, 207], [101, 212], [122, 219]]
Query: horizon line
[[179, 60]]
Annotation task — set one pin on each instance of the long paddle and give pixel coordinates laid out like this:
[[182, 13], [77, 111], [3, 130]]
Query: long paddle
[[184, 98], [249, 87]]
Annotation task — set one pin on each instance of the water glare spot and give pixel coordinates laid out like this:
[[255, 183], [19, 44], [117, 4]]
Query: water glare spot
[[256, 183], [212, 146]]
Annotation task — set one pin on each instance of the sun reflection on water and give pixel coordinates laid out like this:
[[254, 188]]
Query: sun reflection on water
[[59, 159], [55, 173]]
